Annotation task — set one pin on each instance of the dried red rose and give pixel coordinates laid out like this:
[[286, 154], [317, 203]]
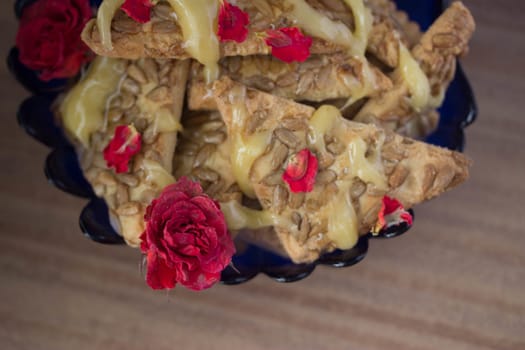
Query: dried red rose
[[301, 171], [48, 37], [391, 213], [122, 147], [139, 10], [232, 22], [289, 44], [186, 239]]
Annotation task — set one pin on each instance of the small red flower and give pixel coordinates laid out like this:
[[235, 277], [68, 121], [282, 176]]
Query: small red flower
[[232, 23], [48, 37], [124, 145], [289, 44], [186, 239], [391, 213], [139, 10], [301, 171]]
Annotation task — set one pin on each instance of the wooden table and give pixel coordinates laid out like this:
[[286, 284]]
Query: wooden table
[[456, 281]]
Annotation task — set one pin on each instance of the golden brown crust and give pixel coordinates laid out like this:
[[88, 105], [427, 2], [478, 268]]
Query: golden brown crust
[[411, 171]]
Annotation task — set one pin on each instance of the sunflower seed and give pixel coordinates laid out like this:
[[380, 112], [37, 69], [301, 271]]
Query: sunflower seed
[[158, 94], [203, 155], [141, 124], [163, 11], [445, 41], [293, 124], [122, 195], [316, 229], [389, 166], [153, 155], [128, 209], [304, 229], [128, 101], [106, 178], [279, 155], [336, 148], [215, 188], [125, 25], [357, 189], [131, 86], [326, 160], [151, 69], [164, 27], [296, 218], [280, 198], [313, 204], [370, 217], [296, 200], [305, 83], [287, 79], [287, 137], [399, 176], [325, 177], [430, 173], [150, 135], [373, 191], [137, 73], [216, 137], [206, 174], [272, 179], [128, 179]]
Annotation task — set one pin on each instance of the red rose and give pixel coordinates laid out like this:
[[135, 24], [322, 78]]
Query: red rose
[[48, 37], [186, 239]]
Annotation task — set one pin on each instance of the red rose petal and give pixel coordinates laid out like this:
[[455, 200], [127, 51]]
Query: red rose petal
[[232, 22], [125, 144], [187, 232], [48, 37], [391, 213], [301, 171], [138, 10], [289, 44]]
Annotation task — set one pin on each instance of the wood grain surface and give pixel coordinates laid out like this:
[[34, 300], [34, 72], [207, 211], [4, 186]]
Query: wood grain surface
[[455, 281]]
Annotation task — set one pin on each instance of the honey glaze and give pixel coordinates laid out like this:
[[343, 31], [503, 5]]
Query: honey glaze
[[197, 19], [415, 78], [239, 217], [105, 14], [245, 149], [83, 108]]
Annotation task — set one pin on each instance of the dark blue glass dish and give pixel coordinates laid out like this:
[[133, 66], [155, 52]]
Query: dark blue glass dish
[[62, 168]]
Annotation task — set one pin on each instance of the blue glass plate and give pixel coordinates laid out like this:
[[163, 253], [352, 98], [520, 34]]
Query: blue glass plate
[[62, 168]]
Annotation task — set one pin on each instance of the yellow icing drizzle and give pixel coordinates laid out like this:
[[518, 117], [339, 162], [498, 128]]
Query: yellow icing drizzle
[[239, 217], [415, 79], [156, 179], [83, 108], [197, 19], [105, 15]]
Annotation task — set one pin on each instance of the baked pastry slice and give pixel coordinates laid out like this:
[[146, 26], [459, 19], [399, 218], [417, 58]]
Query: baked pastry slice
[[423, 75], [147, 95], [320, 78], [358, 165]]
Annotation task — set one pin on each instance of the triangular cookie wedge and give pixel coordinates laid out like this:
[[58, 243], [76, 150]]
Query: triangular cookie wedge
[[147, 95], [423, 76], [320, 78], [358, 165]]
